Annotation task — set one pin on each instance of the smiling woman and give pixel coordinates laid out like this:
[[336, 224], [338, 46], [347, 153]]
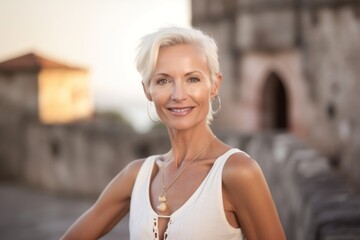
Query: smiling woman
[[201, 188], [180, 87]]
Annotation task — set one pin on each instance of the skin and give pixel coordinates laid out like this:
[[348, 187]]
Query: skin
[[181, 89]]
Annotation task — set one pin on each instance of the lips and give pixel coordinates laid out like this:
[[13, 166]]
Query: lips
[[180, 110]]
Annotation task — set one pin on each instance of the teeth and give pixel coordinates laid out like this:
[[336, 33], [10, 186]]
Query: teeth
[[180, 110]]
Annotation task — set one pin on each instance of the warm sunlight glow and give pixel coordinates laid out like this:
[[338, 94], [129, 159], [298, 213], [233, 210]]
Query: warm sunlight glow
[[64, 95]]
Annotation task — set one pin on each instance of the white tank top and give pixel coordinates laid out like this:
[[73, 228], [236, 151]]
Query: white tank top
[[202, 217]]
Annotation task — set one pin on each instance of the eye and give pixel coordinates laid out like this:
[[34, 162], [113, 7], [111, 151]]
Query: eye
[[194, 80], [162, 81]]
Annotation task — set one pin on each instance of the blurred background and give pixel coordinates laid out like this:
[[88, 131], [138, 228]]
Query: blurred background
[[73, 114]]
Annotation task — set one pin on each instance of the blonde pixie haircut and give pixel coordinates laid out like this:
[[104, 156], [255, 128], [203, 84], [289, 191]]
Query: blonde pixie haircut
[[150, 44]]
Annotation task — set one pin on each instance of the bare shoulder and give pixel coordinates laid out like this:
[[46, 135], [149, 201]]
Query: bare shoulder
[[247, 194], [240, 169], [133, 167], [129, 173], [120, 187]]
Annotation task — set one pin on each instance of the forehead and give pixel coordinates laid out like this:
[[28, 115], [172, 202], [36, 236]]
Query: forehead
[[185, 48], [181, 56]]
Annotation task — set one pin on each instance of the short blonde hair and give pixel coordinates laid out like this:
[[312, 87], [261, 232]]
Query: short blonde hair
[[150, 45]]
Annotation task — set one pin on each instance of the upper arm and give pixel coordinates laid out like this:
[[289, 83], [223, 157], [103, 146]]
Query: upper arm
[[112, 205], [251, 200], [119, 190]]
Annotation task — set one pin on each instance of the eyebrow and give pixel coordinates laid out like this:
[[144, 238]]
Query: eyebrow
[[186, 74], [161, 74], [192, 72]]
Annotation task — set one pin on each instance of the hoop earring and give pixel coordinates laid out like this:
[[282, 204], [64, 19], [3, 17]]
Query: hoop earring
[[215, 112], [149, 115]]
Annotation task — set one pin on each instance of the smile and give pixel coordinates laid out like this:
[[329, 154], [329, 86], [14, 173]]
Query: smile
[[180, 111]]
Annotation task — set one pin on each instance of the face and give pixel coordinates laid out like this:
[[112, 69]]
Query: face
[[180, 86]]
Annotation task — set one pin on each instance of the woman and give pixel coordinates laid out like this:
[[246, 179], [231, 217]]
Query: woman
[[201, 188]]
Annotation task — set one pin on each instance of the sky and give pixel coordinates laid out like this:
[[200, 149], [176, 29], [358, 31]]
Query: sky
[[99, 35]]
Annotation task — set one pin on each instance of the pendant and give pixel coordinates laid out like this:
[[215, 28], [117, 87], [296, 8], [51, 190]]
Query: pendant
[[161, 207], [162, 199]]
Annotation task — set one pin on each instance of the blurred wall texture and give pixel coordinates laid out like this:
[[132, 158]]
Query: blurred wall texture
[[49, 135], [290, 65], [293, 66]]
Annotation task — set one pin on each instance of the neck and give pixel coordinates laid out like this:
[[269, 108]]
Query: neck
[[188, 144]]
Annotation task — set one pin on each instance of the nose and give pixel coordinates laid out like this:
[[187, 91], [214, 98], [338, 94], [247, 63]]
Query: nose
[[179, 92]]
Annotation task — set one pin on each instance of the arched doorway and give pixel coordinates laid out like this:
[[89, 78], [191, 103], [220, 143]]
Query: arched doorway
[[274, 104]]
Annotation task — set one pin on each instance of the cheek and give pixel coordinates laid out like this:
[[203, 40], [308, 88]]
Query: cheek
[[159, 96], [201, 94]]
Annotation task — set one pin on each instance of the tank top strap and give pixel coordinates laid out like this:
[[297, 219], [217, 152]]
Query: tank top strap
[[215, 174], [214, 177], [143, 179], [148, 164]]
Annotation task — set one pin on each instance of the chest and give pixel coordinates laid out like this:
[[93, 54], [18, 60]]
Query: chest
[[179, 188], [195, 207]]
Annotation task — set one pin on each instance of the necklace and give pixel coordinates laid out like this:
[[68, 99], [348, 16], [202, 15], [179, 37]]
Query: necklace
[[162, 207]]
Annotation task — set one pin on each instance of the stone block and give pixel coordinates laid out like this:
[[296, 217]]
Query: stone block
[[267, 30]]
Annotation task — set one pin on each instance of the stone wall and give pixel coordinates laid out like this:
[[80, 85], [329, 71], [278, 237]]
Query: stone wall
[[18, 102], [12, 125], [313, 46], [331, 56], [314, 200], [20, 89], [78, 158]]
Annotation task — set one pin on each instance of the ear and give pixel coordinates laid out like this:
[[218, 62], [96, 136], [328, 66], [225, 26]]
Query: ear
[[146, 91], [215, 88]]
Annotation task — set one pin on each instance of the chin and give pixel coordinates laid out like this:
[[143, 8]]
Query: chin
[[183, 124]]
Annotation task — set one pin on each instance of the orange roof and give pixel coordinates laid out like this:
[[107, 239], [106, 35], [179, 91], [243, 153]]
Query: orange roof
[[32, 62]]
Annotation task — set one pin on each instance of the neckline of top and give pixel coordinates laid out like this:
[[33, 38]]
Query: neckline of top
[[193, 195]]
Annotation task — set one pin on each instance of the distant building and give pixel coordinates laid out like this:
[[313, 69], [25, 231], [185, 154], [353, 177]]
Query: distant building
[[37, 96], [50, 137], [290, 66], [293, 66], [58, 93]]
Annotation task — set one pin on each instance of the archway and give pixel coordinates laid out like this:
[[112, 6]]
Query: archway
[[274, 104]]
